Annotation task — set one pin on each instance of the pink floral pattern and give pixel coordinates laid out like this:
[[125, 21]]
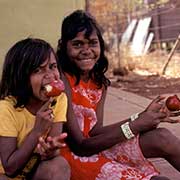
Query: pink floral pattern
[[82, 112], [116, 171], [93, 96], [124, 161]]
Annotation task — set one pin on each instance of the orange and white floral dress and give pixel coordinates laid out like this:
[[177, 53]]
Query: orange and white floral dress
[[123, 161]]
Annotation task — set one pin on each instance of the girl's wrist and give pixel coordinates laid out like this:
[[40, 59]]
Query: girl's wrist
[[134, 124], [133, 117], [130, 128], [36, 132], [126, 129], [134, 127]]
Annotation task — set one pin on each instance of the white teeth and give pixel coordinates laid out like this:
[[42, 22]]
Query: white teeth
[[86, 60], [48, 88]]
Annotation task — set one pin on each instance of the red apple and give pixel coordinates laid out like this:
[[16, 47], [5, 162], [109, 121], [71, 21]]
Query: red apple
[[173, 103], [54, 88]]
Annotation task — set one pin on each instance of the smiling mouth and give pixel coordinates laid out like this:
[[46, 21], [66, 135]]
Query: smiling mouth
[[86, 60]]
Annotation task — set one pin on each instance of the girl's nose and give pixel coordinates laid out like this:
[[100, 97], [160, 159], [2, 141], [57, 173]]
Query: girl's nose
[[48, 74], [86, 49]]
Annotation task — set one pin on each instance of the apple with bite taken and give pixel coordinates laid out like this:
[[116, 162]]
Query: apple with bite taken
[[54, 88]]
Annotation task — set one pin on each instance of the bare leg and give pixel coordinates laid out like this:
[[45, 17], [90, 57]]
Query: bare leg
[[3, 177], [54, 169], [159, 178], [162, 143]]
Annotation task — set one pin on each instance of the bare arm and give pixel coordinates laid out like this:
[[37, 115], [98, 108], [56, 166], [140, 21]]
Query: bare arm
[[13, 158], [50, 146], [101, 137]]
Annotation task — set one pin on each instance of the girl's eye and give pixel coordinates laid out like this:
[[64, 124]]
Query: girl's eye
[[53, 66], [38, 70], [77, 44], [94, 43]]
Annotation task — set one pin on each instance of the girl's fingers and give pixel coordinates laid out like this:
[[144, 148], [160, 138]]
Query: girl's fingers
[[45, 147], [62, 136], [156, 104], [49, 114], [58, 138], [51, 144], [158, 99], [57, 141], [40, 149], [46, 105], [56, 144], [169, 120], [174, 114]]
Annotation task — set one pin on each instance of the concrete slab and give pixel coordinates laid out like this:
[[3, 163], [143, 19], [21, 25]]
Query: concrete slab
[[121, 105]]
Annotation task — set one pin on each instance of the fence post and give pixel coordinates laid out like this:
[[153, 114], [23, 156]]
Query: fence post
[[157, 24], [171, 54], [87, 4]]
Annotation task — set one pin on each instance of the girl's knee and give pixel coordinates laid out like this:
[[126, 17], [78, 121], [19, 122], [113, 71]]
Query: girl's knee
[[3, 177], [165, 140], [159, 178], [54, 169], [159, 142], [162, 133], [164, 136], [59, 168]]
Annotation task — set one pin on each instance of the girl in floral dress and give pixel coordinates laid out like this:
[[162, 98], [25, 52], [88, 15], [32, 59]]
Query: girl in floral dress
[[117, 151]]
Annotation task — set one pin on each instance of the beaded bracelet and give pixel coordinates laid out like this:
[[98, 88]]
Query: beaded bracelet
[[134, 116], [127, 130]]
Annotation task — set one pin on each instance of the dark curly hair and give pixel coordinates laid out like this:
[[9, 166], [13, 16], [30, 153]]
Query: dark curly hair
[[21, 60], [77, 22]]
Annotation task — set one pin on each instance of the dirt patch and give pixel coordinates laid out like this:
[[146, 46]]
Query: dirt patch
[[147, 86], [145, 75]]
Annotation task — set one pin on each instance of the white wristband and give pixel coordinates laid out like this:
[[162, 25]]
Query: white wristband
[[134, 116], [127, 130]]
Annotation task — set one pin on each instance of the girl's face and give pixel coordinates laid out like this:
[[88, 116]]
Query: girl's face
[[83, 51], [46, 73]]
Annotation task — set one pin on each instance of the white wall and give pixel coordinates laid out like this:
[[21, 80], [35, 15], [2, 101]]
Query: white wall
[[36, 18]]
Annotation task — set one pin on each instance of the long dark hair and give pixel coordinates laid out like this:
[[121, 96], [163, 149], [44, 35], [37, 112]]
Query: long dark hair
[[20, 61], [72, 24]]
